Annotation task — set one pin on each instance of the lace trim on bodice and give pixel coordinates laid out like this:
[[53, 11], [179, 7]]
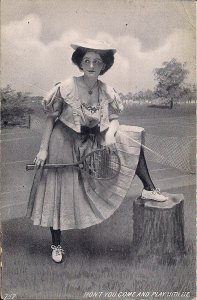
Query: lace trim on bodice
[[90, 113]]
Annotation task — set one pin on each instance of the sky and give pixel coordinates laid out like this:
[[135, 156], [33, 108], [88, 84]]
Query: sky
[[36, 37]]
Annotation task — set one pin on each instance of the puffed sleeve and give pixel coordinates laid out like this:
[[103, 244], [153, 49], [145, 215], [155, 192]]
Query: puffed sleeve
[[53, 102], [115, 105]]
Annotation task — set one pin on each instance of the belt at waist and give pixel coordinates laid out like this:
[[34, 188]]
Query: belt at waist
[[88, 130]]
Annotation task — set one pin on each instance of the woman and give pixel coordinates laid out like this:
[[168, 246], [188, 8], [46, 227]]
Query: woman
[[83, 116]]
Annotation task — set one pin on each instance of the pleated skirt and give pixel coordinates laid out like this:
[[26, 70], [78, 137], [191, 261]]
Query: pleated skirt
[[67, 198]]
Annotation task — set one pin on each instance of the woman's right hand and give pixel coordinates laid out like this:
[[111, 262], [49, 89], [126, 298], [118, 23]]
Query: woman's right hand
[[41, 158]]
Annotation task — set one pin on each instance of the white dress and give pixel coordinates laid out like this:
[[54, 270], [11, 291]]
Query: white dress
[[67, 198]]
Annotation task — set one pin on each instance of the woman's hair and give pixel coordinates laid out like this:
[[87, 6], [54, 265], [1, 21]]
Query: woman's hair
[[106, 56]]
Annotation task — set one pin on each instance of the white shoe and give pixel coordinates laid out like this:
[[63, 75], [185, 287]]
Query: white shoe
[[57, 253], [154, 195]]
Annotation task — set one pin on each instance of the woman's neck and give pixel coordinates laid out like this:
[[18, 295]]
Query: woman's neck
[[90, 82]]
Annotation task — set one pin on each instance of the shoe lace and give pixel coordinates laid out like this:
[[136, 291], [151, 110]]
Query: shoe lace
[[156, 191], [58, 249]]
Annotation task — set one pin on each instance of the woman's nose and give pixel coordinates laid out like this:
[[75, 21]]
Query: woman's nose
[[91, 64]]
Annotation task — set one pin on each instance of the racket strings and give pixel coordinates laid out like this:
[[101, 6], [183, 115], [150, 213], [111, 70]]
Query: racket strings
[[102, 164]]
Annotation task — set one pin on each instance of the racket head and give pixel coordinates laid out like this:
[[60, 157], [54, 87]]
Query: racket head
[[102, 164]]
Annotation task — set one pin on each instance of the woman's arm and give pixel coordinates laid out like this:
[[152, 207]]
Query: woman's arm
[[43, 152], [110, 134], [47, 132], [113, 127]]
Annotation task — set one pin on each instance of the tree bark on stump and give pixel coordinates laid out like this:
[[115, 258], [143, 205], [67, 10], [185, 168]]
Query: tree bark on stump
[[159, 226]]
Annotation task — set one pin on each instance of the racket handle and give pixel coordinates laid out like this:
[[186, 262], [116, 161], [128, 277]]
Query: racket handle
[[52, 166]]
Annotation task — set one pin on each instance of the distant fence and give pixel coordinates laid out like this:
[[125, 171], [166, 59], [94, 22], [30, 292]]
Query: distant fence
[[141, 102], [11, 120]]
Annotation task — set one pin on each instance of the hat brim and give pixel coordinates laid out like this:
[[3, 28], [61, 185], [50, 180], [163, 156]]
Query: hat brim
[[102, 48]]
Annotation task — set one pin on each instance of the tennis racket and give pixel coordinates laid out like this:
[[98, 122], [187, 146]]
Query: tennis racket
[[100, 164]]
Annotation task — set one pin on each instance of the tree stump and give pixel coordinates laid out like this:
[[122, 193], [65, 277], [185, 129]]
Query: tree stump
[[159, 226]]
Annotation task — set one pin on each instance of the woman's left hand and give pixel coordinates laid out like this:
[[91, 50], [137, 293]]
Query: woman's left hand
[[110, 140]]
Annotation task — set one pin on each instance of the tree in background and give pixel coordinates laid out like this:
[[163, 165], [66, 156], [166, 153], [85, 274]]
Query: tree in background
[[149, 95], [194, 92], [11, 99], [187, 94], [8, 95], [170, 81], [14, 106]]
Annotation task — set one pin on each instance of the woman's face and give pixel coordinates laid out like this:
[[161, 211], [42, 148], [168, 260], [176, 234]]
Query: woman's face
[[92, 64]]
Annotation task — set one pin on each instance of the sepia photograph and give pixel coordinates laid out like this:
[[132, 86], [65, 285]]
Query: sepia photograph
[[98, 149]]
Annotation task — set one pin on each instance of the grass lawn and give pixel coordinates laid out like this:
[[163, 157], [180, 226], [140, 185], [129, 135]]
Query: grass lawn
[[99, 258]]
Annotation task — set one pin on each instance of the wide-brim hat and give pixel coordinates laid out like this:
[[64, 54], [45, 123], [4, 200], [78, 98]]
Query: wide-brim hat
[[94, 45]]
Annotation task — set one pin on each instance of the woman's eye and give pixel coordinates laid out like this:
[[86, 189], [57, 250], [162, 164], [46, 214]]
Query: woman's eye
[[94, 62]]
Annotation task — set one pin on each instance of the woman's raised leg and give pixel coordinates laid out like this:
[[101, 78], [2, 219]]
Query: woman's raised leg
[[149, 191], [143, 173]]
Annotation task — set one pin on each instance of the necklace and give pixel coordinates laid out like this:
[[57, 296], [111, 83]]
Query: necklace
[[90, 89]]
